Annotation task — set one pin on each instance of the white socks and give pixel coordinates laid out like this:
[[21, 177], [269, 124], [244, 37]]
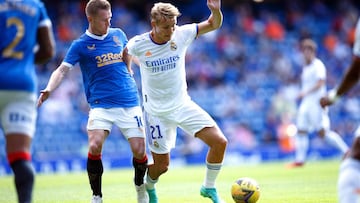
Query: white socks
[[302, 146], [212, 171], [150, 183]]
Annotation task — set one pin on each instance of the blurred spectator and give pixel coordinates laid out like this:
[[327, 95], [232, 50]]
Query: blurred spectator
[[273, 28], [241, 137]]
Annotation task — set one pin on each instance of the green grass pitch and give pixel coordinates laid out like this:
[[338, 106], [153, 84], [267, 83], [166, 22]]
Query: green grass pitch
[[314, 183]]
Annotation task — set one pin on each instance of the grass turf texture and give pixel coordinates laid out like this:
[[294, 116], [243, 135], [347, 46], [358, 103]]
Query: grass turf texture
[[315, 182]]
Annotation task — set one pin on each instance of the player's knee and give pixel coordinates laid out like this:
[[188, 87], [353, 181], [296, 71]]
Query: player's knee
[[138, 151], [163, 167], [95, 147], [221, 143]]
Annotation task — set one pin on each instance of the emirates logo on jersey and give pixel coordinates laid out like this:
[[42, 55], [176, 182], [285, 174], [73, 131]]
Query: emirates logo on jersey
[[173, 46]]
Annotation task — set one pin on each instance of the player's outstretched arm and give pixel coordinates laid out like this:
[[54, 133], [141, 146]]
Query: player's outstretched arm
[[356, 148], [350, 79], [55, 80], [215, 19], [46, 42]]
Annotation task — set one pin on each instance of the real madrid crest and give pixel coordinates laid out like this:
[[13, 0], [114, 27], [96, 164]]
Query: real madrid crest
[[173, 46], [156, 144]]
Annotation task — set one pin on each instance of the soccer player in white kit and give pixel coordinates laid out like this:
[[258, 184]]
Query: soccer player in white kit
[[349, 174], [311, 117], [161, 56]]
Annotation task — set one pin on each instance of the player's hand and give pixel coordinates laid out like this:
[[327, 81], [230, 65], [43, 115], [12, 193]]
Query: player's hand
[[131, 72], [325, 101], [214, 4], [44, 95]]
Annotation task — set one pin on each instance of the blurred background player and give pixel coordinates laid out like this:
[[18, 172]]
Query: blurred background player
[[26, 39], [111, 92], [161, 56], [349, 175], [311, 117]]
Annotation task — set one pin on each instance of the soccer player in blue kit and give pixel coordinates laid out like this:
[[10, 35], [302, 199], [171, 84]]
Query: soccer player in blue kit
[[110, 90], [24, 25]]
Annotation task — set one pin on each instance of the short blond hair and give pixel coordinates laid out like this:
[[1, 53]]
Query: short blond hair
[[93, 6], [309, 43], [163, 11]]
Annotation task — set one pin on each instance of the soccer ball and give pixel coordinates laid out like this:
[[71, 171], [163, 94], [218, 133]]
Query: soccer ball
[[245, 190]]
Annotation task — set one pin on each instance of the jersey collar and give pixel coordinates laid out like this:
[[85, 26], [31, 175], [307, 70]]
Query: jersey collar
[[88, 33]]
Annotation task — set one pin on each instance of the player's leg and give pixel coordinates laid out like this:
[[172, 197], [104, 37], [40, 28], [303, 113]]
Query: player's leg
[[155, 170], [19, 158], [161, 138], [18, 119], [217, 142], [330, 136], [98, 128], [197, 122], [301, 147], [139, 161], [301, 137], [129, 120], [160, 165], [334, 139], [95, 168]]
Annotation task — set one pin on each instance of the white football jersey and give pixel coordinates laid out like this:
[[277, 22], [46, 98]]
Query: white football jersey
[[311, 74], [356, 48], [162, 68]]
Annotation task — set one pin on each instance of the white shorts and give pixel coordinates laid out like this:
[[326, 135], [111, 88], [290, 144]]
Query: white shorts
[[161, 130], [128, 120], [18, 112], [312, 117], [349, 181]]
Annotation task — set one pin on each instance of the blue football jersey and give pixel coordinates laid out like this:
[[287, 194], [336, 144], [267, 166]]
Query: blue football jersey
[[19, 21], [107, 81]]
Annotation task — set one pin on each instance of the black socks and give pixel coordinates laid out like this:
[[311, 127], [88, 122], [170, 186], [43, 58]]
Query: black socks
[[140, 167], [95, 170], [24, 176]]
